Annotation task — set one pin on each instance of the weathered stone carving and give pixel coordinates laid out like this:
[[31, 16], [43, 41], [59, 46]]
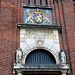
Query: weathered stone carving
[[62, 57], [37, 31], [40, 43], [19, 55]]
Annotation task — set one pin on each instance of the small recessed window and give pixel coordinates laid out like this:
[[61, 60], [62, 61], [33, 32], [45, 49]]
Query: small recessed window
[[28, 1], [40, 2], [34, 2], [46, 3], [74, 2]]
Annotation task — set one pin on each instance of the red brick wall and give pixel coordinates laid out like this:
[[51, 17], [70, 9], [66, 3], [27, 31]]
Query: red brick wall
[[64, 14], [11, 13]]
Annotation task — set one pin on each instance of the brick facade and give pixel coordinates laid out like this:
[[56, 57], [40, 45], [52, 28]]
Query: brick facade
[[11, 13]]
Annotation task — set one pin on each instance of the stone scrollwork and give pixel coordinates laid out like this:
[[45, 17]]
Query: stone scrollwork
[[19, 55], [62, 57]]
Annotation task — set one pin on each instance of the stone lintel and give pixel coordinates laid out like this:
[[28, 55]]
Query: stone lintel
[[41, 67]]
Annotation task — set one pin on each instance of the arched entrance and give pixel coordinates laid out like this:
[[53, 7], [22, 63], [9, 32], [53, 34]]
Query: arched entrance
[[40, 56]]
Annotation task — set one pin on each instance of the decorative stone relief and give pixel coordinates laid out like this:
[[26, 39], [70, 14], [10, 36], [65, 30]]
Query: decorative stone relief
[[37, 31], [45, 39], [40, 43]]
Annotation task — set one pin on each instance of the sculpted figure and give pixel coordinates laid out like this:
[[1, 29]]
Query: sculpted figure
[[19, 55], [62, 57], [30, 16], [45, 17]]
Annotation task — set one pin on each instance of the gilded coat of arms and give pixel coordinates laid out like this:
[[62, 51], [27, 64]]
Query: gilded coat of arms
[[37, 16]]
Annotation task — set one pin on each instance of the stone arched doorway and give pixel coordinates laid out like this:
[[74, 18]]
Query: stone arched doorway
[[40, 56]]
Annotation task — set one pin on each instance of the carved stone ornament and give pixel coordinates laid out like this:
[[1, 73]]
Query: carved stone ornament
[[62, 57], [19, 55], [31, 31], [40, 43]]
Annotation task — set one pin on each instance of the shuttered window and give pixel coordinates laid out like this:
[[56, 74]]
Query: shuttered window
[[40, 57]]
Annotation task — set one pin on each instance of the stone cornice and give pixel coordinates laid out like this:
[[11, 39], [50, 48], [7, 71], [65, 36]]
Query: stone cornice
[[37, 6], [20, 25]]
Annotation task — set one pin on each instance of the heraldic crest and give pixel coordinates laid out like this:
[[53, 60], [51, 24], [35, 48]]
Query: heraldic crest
[[37, 16]]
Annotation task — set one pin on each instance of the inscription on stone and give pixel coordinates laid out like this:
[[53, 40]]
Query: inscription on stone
[[40, 36]]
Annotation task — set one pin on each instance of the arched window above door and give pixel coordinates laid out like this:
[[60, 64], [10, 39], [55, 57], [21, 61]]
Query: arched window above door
[[40, 56]]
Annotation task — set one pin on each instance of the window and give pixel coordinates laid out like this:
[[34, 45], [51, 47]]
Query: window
[[40, 2], [34, 2], [46, 3], [74, 2], [40, 56], [28, 1]]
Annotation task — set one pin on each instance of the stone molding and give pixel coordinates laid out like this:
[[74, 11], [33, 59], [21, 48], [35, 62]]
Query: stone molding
[[56, 56], [63, 69]]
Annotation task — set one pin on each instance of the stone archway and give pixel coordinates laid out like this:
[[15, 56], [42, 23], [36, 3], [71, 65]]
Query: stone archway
[[29, 50]]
